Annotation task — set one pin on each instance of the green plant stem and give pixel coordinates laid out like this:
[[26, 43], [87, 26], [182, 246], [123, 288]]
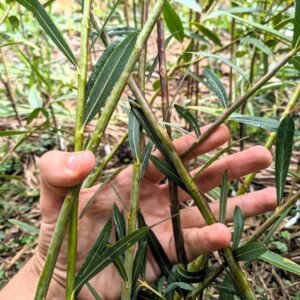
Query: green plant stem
[[132, 226], [192, 189], [120, 85], [64, 215], [272, 138], [79, 129], [275, 216], [241, 100]]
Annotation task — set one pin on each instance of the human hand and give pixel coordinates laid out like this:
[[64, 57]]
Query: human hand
[[61, 170]]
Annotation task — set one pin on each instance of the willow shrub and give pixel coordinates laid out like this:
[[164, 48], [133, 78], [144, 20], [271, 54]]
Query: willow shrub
[[271, 32]]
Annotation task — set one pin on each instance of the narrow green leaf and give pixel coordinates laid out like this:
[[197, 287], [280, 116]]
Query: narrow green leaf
[[284, 148], [192, 4], [227, 287], [118, 263], [140, 260], [119, 222], [173, 22], [223, 199], [224, 60], [280, 262], [189, 117], [134, 135], [188, 276], [181, 285], [145, 157], [25, 226], [238, 221], [93, 257], [258, 44], [216, 86], [47, 24], [104, 259], [168, 170], [208, 33], [157, 250], [93, 291], [188, 54], [249, 251], [296, 36], [13, 132], [112, 65], [99, 66]]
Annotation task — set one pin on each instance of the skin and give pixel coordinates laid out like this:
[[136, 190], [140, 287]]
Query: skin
[[60, 170]]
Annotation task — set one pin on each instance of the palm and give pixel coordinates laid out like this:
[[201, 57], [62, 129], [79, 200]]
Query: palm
[[155, 206]]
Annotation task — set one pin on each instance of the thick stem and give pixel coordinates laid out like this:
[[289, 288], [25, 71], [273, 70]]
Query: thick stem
[[79, 128], [239, 102], [271, 140]]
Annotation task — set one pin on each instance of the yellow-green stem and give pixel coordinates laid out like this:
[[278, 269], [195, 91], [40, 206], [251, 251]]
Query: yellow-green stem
[[132, 226], [79, 129]]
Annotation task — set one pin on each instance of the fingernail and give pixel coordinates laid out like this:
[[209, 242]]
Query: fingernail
[[74, 160]]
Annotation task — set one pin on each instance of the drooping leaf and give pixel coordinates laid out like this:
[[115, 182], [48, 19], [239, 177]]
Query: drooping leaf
[[238, 221], [188, 117], [223, 199], [280, 262], [173, 22], [134, 135], [296, 36], [119, 222], [168, 170], [181, 285], [145, 157], [224, 60], [24, 226], [258, 44], [47, 24], [157, 250], [97, 250], [109, 255], [227, 287], [208, 33], [216, 86], [249, 251], [112, 67], [192, 4], [188, 55], [284, 148]]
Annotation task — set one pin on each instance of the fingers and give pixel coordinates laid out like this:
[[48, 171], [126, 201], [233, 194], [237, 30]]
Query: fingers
[[251, 204], [199, 241], [237, 165], [218, 138], [58, 172]]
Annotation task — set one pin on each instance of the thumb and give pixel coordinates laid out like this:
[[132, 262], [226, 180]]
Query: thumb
[[58, 172]]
